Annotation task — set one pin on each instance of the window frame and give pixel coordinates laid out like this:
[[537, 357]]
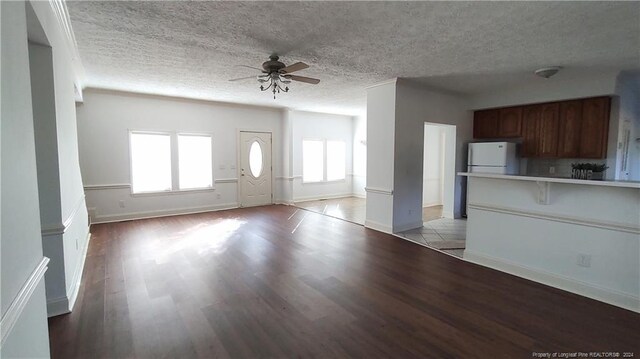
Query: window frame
[[324, 160], [175, 167]]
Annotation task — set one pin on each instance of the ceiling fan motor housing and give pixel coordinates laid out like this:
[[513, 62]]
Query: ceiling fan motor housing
[[273, 64]]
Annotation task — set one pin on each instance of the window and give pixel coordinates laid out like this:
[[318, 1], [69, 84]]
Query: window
[[163, 162], [150, 162], [312, 161], [323, 160], [194, 162], [255, 159], [336, 161]]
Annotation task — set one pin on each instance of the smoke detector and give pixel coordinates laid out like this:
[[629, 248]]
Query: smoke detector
[[547, 72]]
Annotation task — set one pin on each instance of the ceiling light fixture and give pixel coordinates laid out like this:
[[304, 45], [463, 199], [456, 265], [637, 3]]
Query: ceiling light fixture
[[547, 72], [277, 82], [276, 75]]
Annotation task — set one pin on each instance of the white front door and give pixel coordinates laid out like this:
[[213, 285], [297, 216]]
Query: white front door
[[255, 169]]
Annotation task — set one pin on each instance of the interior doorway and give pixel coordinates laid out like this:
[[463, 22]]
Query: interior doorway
[[438, 171], [255, 169]]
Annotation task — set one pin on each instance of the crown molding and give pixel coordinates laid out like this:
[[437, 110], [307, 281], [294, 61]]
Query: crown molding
[[386, 82], [59, 8]]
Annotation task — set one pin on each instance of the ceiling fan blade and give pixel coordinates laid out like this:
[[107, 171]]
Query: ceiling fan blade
[[243, 78], [295, 67], [251, 67], [308, 80]]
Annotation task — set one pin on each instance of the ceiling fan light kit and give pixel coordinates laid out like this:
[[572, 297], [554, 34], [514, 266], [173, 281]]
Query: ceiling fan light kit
[[276, 75]]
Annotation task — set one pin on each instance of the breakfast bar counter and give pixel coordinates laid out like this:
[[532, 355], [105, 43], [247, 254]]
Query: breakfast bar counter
[[578, 235]]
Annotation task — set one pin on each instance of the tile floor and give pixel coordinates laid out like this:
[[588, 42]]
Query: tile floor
[[445, 234], [352, 209]]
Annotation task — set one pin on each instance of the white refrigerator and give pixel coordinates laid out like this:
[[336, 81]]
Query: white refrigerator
[[493, 157]]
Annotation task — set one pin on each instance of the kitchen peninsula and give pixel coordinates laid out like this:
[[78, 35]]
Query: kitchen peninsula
[[577, 235]]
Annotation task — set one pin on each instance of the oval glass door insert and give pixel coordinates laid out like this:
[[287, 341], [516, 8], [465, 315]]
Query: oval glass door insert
[[255, 159]]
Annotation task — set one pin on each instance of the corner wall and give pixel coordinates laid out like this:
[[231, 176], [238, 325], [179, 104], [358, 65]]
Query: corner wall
[[65, 238], [22, 265], [416, 105]]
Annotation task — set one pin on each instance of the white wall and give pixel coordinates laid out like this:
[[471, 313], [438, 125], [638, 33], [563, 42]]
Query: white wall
[[544, 90], [104, 121], [432, 166], [311, 125], [416, 105], [20, 241], [359, 156]]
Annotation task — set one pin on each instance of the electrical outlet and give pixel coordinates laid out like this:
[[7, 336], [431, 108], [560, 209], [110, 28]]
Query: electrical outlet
[[584, 260], [552, 170], [121, 203], [218, 196]]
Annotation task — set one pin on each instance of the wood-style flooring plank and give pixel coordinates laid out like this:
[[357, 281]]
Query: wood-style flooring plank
[[278, 281]]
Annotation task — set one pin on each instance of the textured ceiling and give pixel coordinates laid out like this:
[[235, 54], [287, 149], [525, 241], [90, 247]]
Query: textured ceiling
[[189, 49]]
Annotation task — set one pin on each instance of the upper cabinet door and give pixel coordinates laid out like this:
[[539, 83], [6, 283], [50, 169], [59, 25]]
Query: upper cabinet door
[[485, 124], [595, 128], [570, 124], [549, 130], [510, 122], [530, 131]]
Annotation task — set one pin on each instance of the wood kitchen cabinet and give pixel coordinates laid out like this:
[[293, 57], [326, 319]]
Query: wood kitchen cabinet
[[570, 118], [548, 135], [510, 122], [562, 129], [485, 124], [530, 131], [595, 127]]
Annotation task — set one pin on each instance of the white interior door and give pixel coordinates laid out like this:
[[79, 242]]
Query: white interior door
[[255, 169]]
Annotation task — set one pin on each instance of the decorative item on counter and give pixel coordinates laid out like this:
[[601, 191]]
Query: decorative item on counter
[[588, 171]]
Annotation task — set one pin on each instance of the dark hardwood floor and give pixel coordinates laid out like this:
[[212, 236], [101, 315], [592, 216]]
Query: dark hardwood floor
[[273, 282]]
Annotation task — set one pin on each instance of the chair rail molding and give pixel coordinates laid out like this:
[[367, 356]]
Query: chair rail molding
[[100, 187], [388, 192], [10, 317]]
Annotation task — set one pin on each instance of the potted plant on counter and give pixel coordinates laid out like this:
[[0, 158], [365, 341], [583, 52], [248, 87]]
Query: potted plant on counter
[[588, 171]]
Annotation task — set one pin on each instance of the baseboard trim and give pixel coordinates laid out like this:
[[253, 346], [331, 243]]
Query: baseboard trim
[[408, 226], [317, 198], [57, 306], [161, 213], [64, 305], [378, 226], [605, 295], [77, 277], [358, 195], [11, 316]]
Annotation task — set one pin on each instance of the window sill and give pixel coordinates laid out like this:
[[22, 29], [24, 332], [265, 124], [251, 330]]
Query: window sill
[[173, 192]]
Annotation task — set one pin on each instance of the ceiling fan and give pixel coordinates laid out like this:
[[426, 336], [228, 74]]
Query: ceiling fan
[[275, 75]]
